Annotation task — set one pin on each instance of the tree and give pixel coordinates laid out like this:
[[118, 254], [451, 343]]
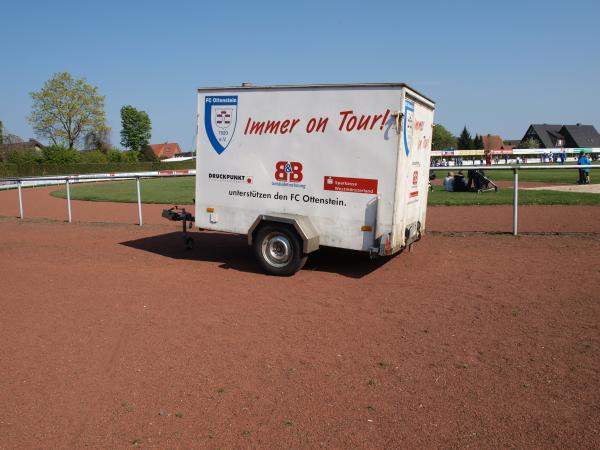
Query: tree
[[147, 154], [65, 109], [136, 128], [442, 139], [1, 133], [464, 142], [478, 142], [97, 140], [529, 143], [12, 139]]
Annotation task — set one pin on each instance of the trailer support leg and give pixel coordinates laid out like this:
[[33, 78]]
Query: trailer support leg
[[188, 240]]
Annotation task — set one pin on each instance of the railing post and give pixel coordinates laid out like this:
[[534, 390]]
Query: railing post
[[516, 201], [139, 200], [20, 200], [68, 200]]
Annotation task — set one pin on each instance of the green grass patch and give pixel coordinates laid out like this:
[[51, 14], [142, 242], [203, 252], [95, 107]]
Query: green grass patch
[[558, 176], [505, 197], [179, 191]]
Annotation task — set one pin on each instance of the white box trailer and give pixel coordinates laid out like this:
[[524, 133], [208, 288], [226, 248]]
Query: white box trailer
[[298, 167]]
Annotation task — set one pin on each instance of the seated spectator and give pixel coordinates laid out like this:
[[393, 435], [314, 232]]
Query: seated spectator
[[449, 182], [460, 184], [470, 176]]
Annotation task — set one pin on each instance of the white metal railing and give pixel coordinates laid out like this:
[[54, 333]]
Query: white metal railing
[[69, 179], [515, 170]]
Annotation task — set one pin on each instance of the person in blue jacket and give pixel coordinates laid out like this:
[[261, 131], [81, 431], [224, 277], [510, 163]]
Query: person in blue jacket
[[584, 173]]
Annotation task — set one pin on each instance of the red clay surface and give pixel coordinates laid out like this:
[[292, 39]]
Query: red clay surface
[[113, 336]]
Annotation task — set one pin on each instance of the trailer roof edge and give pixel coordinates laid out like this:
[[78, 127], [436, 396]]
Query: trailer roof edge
[[250, 87]]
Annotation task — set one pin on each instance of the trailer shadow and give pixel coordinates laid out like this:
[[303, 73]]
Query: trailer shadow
[[233, 252]]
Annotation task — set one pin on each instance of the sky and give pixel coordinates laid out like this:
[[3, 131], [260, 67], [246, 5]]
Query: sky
[[495, 67]]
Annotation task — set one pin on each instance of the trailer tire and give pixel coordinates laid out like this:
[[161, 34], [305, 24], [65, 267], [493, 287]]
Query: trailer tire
[[278, 248]]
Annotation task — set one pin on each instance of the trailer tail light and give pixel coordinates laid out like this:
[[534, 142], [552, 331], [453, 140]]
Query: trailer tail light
[[210, 210], [366, 228]]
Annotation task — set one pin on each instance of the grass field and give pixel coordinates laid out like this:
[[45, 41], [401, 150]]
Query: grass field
[[505, 197], [180, 191], [564, 176]]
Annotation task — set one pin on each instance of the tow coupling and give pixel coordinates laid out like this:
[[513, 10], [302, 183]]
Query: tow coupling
[[178, 214]]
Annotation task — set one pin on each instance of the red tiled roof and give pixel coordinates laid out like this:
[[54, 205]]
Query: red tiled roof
[[492, 142], [166, 150]]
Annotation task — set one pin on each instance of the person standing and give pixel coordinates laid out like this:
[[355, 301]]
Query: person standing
[[584, 173]]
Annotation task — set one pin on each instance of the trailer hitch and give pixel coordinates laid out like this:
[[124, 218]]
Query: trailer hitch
[[178, 214]]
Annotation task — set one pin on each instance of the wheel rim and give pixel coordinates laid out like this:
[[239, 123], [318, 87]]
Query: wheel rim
[[277, 249]]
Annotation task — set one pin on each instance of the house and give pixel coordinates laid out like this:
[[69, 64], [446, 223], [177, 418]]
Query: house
[[547, 136], [512, 143], [557, 136], [494, 142], [491, 142], [580, 136], [166, 150]]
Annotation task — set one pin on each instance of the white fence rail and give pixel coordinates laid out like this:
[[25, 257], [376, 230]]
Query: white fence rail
[[515, 169], [67, 180]]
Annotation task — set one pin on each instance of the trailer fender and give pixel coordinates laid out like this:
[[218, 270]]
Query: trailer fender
[[302, 224]]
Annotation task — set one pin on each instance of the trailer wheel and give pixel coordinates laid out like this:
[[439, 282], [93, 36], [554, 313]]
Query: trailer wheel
[[279, 250]]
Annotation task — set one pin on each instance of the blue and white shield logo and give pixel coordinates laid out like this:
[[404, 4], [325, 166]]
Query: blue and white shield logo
[[220, 117]]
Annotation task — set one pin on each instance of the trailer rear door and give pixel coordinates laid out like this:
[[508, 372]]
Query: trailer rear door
[[413, 169]]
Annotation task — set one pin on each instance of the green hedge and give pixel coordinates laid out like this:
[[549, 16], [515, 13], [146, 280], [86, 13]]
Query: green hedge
[[47, 169]]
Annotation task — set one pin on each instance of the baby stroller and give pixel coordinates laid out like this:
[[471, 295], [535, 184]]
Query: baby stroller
[[479, 183], [432, 176]]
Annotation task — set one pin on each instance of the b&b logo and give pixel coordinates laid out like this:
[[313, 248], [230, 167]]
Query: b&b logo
[[220, 117], [415, 177], [289, 171]]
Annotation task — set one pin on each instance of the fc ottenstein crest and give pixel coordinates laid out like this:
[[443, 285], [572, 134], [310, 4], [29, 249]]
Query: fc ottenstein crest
[[220, 117]]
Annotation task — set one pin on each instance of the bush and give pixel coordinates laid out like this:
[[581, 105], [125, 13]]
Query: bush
[[47, 169], [131, 156], [29, 156], [95, 156], [113, 155], [60, 155]]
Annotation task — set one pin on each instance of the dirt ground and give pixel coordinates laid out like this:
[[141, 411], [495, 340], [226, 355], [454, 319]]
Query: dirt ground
[[114, 336], [590, 188]]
